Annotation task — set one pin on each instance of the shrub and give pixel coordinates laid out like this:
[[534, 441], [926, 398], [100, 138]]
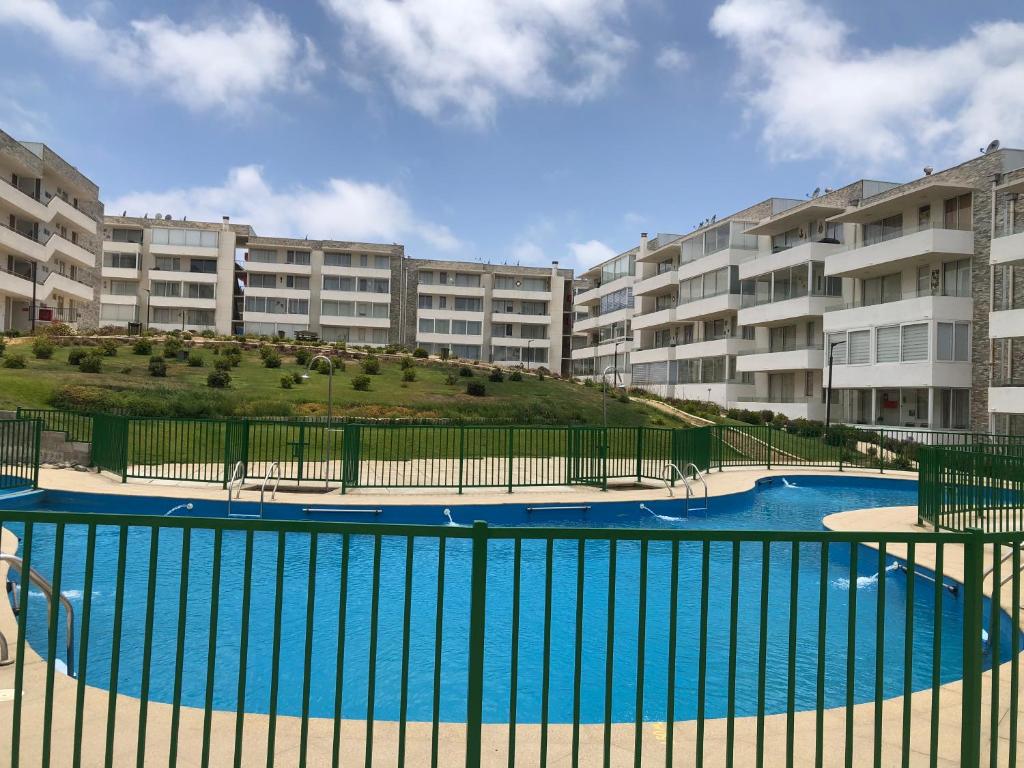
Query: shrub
[[496, 375], [186, 335], [3, 346], [588, 382], [445, 352], [409, 374], [75, 355], [14, 360], [419, 352], [540, 375], [287, 381], [157, 366], [406, 363], [43, 348], [370, 365], [361, 382], [476, 388], [142, 346], [195, 359], [303, 356], [172, 347], [297, 377], [234, 355], [623, 397], [218, 379], [449, 379], [515, 376], [91, 363], [221, 364], [465, 372], [271, 359], [109, 348], [208, 334], [57, 329], [266, 351]]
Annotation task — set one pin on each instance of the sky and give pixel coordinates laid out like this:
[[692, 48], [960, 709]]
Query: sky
[[506, 131]]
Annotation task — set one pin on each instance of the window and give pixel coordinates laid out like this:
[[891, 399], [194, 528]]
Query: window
[[881, 290], [257, 280], [466, 327], [440, 326], [468, 304], [953, 408], [382, 262], [884, 229], [426, 301], [887, 344], [199, 290], [822, 285], [298, 306], [621, 299], [618, 267], [372, 309], [261, 256], [297, 282], [924, 216], [838, 352], [956, 278], [203, 266], [915, 342], [519, 283], [336, 308], [167, 264], [125, 313], [833, 232], [123, 288], [952, 342], [533, 331], [859, 345], [957, 212], [337, 259], [297, 257], [338, 283], [204, 238], [161, 288], [126, 235], [426, 325], [924, 280], [781, 338], [120, 260], [373, 285]]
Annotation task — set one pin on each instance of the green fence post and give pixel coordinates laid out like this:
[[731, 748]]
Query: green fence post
[[639, 453], [36, 438], [511, 438], [462, 453], [603, 458], [721, 447], [769, 431], [477, 614], [881, 456], [970, 715]]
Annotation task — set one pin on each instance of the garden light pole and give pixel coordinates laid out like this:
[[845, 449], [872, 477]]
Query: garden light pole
[[828, 392], [330, 398], [529, 355], [604, 392]]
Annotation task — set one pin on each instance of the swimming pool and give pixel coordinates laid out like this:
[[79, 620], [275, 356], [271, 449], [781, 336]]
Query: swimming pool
[[799, 504]]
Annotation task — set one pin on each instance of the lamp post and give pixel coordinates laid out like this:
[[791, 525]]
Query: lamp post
[[330, 398], [828, 392], [604, 392], [615, 356], [148, 294], [529, 354]]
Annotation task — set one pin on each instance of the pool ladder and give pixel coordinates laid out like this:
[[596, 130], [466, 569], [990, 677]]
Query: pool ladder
[[13, 561], [235, 485], [671, 470]]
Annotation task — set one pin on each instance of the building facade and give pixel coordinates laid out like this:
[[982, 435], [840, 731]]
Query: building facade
[[167, 274], [603, 310], [49, 245]]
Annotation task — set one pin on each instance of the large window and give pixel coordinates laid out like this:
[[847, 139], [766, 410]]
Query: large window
[[339, 283], [297, 257], [199, 290], [466, 327], [165, 289], [952, 342], [297, 282], [887, 344], [883, 229], [204, 238], [956, 278], [118, 313], [520, 283], [952, 408], [203, 266], [466, 280], [915, 342], [373, 285], [468, 304], [126, 235], [881, 290], [533, 331], [839, 350], [262, 256], [298, 306], [123, 288], [258, 280], [619, 267], [859, 347], [167, 264], [120, 260], [426, 301], [337, 259], [957, 212], [620, 299]]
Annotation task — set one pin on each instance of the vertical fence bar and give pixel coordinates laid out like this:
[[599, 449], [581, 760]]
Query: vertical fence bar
[[794, 583], [609, 661], [403, 706], [578, 653], [546, 663], [275, 659], [371, 672], [641, 640], [115, 645], [970, 716], [83, 648], [908, 655], [243, 646], [339, 663], [851, 653], [211, 651], [477, 613], [673, 617], [147, 652], [702, 662], [307, 671]]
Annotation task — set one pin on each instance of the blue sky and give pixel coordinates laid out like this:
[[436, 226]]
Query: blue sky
[[502, 130]]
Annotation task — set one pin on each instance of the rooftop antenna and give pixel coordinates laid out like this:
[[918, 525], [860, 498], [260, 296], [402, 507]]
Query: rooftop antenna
[[124, 213], [714, 218]]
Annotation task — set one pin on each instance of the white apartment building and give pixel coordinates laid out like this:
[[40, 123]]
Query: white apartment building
[[501, 314], [688, 335], [785, 294], [604, 306], [1006, 318], [342, 291], [168, 274], [49, 219]]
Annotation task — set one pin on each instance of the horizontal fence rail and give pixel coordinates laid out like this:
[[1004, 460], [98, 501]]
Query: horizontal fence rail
[[19, 454], [242, 642], [979, 486]]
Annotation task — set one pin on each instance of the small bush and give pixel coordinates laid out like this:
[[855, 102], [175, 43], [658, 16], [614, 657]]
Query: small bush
[[3, 347], [222, 364], [588, 383], [14, 360], [142, 346], [361, 382], [496, 375], [406, 363], [476, 388], [465, 372], [515, 376], [266, 351], [218, 379], [157, 366], [271, 359], [127, 370], [303, 356], [234, 355], [419, 352], [195, 359], [43, 348], [109, 348], [370, 365], [297, 377], [75, 355], [445, 352], [450, 379], [623, 397], [208, 334], [409, 374], [186, 335], [172, 347], [287, 382], [540, 375], [91, 363]]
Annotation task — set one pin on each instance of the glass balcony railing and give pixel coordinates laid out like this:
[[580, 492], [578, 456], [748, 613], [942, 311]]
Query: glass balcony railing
[[1010, 228], [889, 299], [885, 234], [783, 348]]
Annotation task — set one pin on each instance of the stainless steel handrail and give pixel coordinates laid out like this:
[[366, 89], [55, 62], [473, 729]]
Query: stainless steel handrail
[[36, 578], [240, 478], [668, 487], [700, 476], [275, 470]]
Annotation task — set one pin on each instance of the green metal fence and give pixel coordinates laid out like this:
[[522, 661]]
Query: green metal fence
[[979, 486], [19, 454], [77, 426], [571, 605]]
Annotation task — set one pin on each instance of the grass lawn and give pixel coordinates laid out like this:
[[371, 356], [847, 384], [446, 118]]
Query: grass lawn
[[257, 390]]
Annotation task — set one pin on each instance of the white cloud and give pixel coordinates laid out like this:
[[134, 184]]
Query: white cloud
[[527, 252], [19, 121], [456, 60], [341, 209], [815, 93], [673, 59], [219, 63], [588, 254]]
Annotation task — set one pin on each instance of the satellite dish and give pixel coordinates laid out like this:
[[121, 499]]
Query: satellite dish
[[928, 170], [167, 217], [992, 146]]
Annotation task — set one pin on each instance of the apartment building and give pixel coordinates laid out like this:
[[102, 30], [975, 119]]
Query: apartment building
[[168, 274], [1006, 316], [50, 215], [497, 313], [912, 345], [342, 291], [784, 295], [604, 305], [688, 337]]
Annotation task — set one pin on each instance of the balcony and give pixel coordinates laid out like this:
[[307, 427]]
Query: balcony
[[765, 262], [516, 317], [796, 359], [1008, 248], [661, 318], [281, 318], [523, 294], [355, 321], [711, 306], [438, 289], [593, 295], [58, 283], [1006, 395], [61, 246], [907, 309], [62, 209], [515, 341], [201, 251], [182, 276], [119, 273], [925, 373], [56, 207], [718, 392], [329, 269], [179, 302], [785, 310], [904, 248], [273, 267], [712, 347], [1008, 323], [16, 284], [663, 283]]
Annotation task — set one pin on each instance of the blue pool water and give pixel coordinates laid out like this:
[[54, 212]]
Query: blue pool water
[[770, 507]]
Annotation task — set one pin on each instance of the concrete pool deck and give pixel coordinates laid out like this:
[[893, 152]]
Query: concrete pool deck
[[495, 737]]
